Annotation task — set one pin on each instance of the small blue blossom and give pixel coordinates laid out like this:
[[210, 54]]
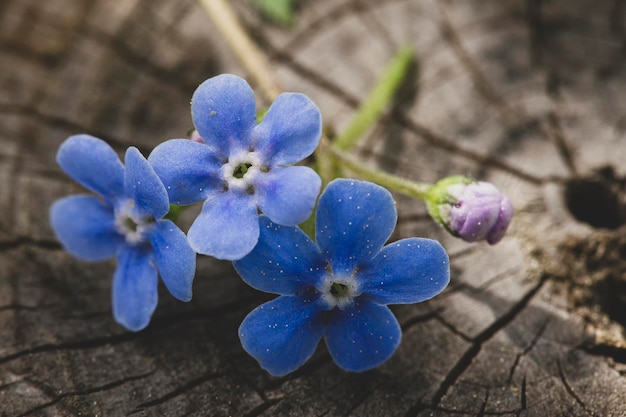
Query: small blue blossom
[[240, 167], [126, 222], [469, 209], [339, 287]]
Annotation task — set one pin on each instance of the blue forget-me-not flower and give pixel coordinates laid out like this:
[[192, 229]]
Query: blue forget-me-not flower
[[339, 287], [241, 167], [126, 222]]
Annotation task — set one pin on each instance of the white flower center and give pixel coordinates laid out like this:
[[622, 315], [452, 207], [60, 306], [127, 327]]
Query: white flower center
[[130, 225], [241, 170], [338, 291]]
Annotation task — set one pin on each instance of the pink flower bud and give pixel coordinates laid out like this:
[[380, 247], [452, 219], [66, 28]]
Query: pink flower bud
[[195, 137], [471, 210]]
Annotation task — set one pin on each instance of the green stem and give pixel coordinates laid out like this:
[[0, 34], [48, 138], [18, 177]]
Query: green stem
[[175, 212], [410, 188], [325, 165], [376, 102]]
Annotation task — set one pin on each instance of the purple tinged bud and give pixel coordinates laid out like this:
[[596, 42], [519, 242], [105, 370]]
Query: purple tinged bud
[[481, 212], [471, 210]]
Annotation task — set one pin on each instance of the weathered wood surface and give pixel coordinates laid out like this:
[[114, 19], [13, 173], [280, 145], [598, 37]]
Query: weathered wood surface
[[528, 94]]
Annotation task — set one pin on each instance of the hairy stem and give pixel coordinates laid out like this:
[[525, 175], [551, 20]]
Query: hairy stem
[[377, 100], [413, 189]]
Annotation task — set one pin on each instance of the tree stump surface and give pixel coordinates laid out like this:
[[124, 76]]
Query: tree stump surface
[[529, 95]]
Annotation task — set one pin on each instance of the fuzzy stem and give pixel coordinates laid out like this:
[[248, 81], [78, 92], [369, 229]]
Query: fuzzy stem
[[376, 102], [410, 188]]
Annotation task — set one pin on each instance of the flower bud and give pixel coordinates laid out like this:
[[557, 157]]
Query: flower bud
[[194, 136], [469, 209]]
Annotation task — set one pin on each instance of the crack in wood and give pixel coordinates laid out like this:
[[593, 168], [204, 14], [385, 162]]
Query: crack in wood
[[415, 320], [453, 329], [4, 386], [106, 387], [470, 354], [332, 17], [526, 351], [511, 114], [371, 21], [455, 287], [560, 141], [464, 252], [79, 345], [457, 411], [261, 409], [432, 138], [534, 22], [473, 413], [17, 42], [483, 406], [493, 280], [158, 325], [313, 364], [484, 87], [176, 392], [523, 399], [35, 16], [58, 122], [18, 307], [7, 245], [439, 141], [162, 323], [570, 390], [136, 60]]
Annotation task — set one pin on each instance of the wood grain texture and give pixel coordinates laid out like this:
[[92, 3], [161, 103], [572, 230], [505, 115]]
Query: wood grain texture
[[527, 94]]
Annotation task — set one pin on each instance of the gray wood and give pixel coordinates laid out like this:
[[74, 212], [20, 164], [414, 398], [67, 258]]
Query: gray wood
[[527, 94]]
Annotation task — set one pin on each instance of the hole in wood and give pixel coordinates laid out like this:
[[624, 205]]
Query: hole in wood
[[594, 276], [612, 291], [598, 199]]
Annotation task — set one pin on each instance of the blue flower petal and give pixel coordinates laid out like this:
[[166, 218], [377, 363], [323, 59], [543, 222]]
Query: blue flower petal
[[144, 186], [287, 194], [290, 130], [224, 112], [227, 227], [283, 333], [175, 260], [406, 271], [85, 226], [189, 170], [362, 337], [354, 220], [135, 293], [284, 261], [93, 164]]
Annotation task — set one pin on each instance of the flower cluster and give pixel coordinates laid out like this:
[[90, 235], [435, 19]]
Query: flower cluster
[[253, 196]]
